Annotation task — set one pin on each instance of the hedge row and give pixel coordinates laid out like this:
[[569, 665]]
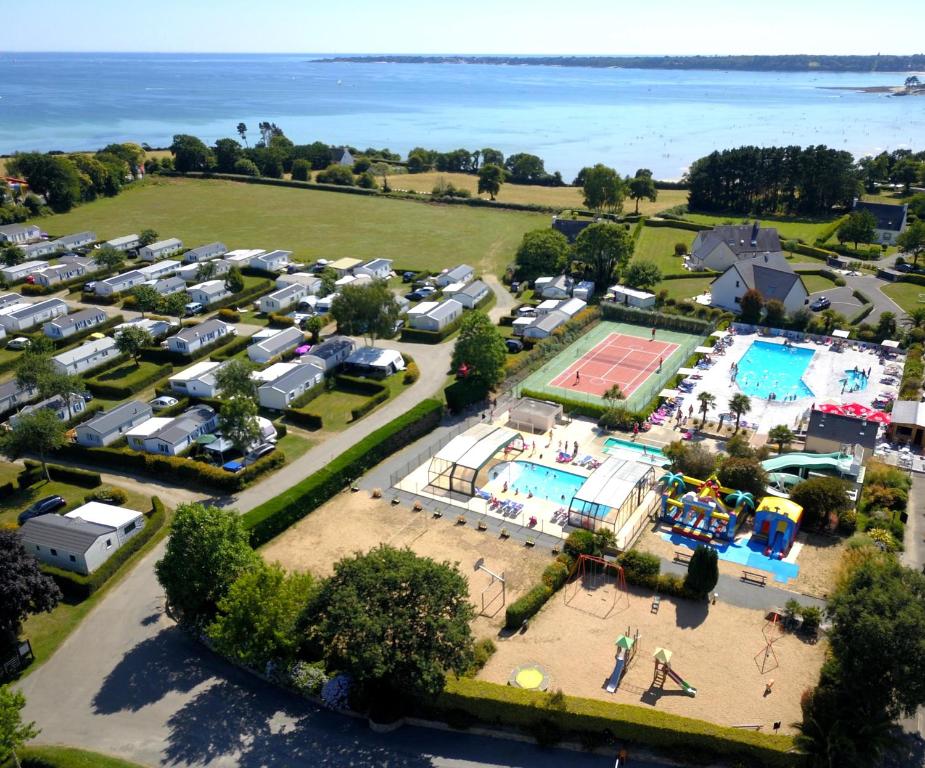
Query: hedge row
[[94, 298], [463, 393], [430, 337], [306, 419], [227, 351], [132, 385], [79, 587], [573, 407], [527, 606], [594, 721], [373, 402], [358, 385], [164, 355], [275, 516], [813, 252], [62, 474], [825, 235], [248, 294], [691, 226], [622, 313]]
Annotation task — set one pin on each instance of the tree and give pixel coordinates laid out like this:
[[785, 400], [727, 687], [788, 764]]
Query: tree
[[886, 326], [774, 313], [173, 305], [858, 227], [480, 346], [13, 255], [603, 189], [227, 153], [63, 385], [108, 258], [13, 731], [781, 436], [912, 240], [34, 366], [147, 299], [907, 173], [690, 459], [234, 379], [603, 249], [208, 549], [492, 157], [38, 432], [707, 401], [314, 326], [369, 309], [55, 177], [395, 622], [301, 170], [242, 132], [132, 340], [642, 274], [612, 396], [340, 175], [738, 446], [190, 154], [702, 571], [745, 474], [821, 497], [750, 306], [491, 177], [642, 186], [147, 237], [541, 252], [367, 180], [916, 318], [245, 167], [739, 404], [328, 279], [234, 280], [24, 589], [237, 420], [257, 619]]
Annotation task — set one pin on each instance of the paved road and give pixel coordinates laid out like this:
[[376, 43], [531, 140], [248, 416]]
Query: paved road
[[867, 284], [504, 301], [913, 556]]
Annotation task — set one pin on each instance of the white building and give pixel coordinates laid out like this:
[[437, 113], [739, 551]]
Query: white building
[[194, 337], [161, 249], [119, 283], [69, 543], [181, 432], [543, 326], [630, 297], [60, 273], [460, 274], [471, 295], [193, 273], [111, 425], [280, 391], [274, 346], [205, 253], [160, 269], [378, 269], [571, 307], [772, 277], [719, 248], [69, 325], [331, 353], [19, 234], [23, 317], [125, 243], [375, 362], [77, 240], [273, 261], [242, 257], [583, 290], [64, 409], [89, 355], [311, 283], [38, 250], [18, 272], [446, 312], [156, 329], [9, 300], [12, 395], [420, 310], [198, 380], [282, 299], [169, 286], [553, 287], [137, 435], [545, 307], [208, 292], [345, 265], [128, 523]]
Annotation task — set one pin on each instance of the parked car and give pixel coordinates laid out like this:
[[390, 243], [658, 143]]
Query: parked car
[[164, 401], [399, 324], [821, 303], [320, 265], [236, 465], [407, 277], [20, 342], [514, 345], [421, 293], [87, 396], [42, 507], [90, 287], [193, 308]]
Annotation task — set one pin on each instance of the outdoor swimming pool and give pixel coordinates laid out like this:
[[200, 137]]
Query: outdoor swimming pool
[[543, 482], [641, 448], [853, 381], [768, 369]]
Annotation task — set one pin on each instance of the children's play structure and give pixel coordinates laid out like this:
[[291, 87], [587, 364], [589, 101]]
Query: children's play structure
[[702, 509], [591, 573], [626, 650], [663, 669], [777, 522]]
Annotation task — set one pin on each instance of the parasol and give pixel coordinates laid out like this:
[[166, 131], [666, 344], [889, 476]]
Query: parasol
[[531, 677], [831, 408]]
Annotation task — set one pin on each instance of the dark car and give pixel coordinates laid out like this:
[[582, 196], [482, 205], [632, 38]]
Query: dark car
[[514, 345], [42, 507], [819, 304], [407, 277], [414, 296]]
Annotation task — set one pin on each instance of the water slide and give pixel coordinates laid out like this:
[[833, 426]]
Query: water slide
[[782, 483], [677, 678], [777, 548], [614, 681], [838, 462]]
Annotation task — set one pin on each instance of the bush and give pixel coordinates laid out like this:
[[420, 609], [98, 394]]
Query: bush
[[412, 372], [62, 474], [229, 315], [108, 495], [623, 313], [483, 650], [33, 289], [463, 393], [640, 568], [580, 542], [526, 606], [280, 321], [555, 575], [416, 335], [275, 516], [821, 497]]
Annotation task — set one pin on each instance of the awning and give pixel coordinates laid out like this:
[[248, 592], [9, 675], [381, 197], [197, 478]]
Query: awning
[[840, 334], [705, 350], [720, 334], [889, 343], [669, 393], [688, 371]]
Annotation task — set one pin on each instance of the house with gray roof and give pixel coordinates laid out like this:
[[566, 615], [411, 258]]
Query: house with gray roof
[[559, 287], [205, 253], [89, 355], [9, 299], [770, 274], [160, 269], [438, 318], [274, 346], [378, 269], [69, 325], [38, 250], [312, 283], [470, 295], [282, 298], [60, 273], [77, 240], [208, 292], [22, 317], [125, 243], [890, 219], [14, 273], [169, 285], [120, 283], [543, 326], [341, 156], [274, 261], [64, 409], [160, 250], [331, 353], [19, 234], [460, 274], [279, 392], [111, 425], [194, 337], [719, 248], [175, 437], [12, 395], [70, 543]]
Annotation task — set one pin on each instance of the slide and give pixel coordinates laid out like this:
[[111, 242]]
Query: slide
[[782, 483], [677, 678], [838, 462], [614, 681], [777, 548]]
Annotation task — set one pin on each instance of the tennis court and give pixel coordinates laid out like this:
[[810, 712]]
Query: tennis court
[[626, 361], [613, 353]]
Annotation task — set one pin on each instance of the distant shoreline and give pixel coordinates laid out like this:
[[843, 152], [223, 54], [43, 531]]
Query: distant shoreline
[[892, 90], [798, 63]]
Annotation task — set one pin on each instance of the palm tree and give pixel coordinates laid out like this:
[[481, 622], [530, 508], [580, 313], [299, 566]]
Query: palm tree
[[781, 435], [707, 401], [741, 498], [242, 132], [739, 404], [916, 318], [613, 395], [673, 480]]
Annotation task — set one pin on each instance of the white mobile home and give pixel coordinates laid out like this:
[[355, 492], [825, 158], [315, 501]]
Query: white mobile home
[[273, 261], [160, 269], [78, 240], [64, 409], [169, 285], [544, 326], [204, 253], [345, 265], [38, 250], [470, 295], [208, 292], [182, 432], [292, 384], [113, 424], [282, 299], [242, 257], [86, 357], [137, 435], [119, 283], [125, 243], [69, 543], [461, 274], [18, 272], [22, 318], [161, 249], [19, 234], [12, 395], [378, 269], [69, 325], [312, 283], [632, 297], [198, 380], [191, 339], [157, 329], [331, 353], [274, 346], [375, 362], [127, 522], [446, 312], [9, 300], [60, 273]]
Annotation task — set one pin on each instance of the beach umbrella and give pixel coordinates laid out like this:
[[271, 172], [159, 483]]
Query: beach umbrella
[[857, 410], [831, 408], [624, 642], [663, 655], [880, 417], [206, 439], [531, 677]]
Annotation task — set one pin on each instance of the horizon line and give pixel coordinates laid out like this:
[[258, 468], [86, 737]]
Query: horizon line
[[453, 53]]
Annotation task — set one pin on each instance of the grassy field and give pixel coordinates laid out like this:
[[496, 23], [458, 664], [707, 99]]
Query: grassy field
[[685, 288], [788, 227], [815, 283], [905, 294], [66, 757], [294, 446], [657, 244], [312, 224]]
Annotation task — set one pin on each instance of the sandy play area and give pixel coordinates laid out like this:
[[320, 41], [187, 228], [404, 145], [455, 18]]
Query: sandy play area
[[714, 650], [353, 522]]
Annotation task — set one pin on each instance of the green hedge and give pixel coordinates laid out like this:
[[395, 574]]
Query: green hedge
[[79, 587], [646, 317], [359, 386], [813, 252], [573, 407], [552, 345], [33, 473], [304, 418], [823, 237], [248, 294], [527, 605], [463, 393], [506, 706], [691, 226], [275, 516], [131, 384], [373, 402], [162, 355], [7, 488]]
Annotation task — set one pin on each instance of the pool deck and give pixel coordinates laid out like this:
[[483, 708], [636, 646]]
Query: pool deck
[[822, 376]]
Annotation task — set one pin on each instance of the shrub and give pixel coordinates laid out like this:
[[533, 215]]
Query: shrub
[[229, 315], [555, 575], [640, 568], [412, 373], [812, 617], [62, 474], [703, 571], [280, 321], [821, 497], [483, 650], [33, 289], [108, 495], [463, 393], [308, 678], [526, 606], [623, 313], [580, 542]]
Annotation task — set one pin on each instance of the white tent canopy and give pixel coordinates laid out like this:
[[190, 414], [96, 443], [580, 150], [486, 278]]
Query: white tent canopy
[[838, 333], [455, 467]]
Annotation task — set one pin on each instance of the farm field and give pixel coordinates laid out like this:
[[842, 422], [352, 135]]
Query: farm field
[[310, 223], [905, 294], [656, 244], [806, 230]]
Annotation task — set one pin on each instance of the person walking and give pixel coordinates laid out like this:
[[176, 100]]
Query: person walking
[[653, 333], [635, 429]]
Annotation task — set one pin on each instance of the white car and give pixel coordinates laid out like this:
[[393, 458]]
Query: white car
[[20, 342], [159, 403]]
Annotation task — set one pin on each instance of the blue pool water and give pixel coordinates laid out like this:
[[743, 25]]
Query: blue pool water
[[767, 369], [640, 448], [853, 381], [543, 482]]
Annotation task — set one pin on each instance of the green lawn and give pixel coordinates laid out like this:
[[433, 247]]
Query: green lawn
[[685, 288], [294, 446], [66, 757], [905, 294], [312, 224], [657, 244], [126, 374], [788, 227], [815, 283]]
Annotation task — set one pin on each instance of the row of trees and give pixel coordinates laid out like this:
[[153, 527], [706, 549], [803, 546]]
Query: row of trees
[[604, 190], [901, 166]]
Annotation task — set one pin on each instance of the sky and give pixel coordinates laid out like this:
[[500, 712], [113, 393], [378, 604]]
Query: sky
[[587, 27]]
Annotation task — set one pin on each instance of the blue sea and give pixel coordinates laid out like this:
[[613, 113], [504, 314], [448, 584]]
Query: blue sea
[[569, 116]]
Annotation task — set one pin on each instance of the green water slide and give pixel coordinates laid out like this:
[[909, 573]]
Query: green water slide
[[794, 463]]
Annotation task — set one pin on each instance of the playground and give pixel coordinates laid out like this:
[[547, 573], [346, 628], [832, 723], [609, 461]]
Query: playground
[[628, 356], [717, 650]]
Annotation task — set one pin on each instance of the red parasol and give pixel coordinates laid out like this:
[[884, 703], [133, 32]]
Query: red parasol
[[857, 410], [832, 408], [881, 417]]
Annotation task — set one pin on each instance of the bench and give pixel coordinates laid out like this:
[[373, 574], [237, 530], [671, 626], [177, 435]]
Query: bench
[[682, 557], [755, 578], [656, 602]]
